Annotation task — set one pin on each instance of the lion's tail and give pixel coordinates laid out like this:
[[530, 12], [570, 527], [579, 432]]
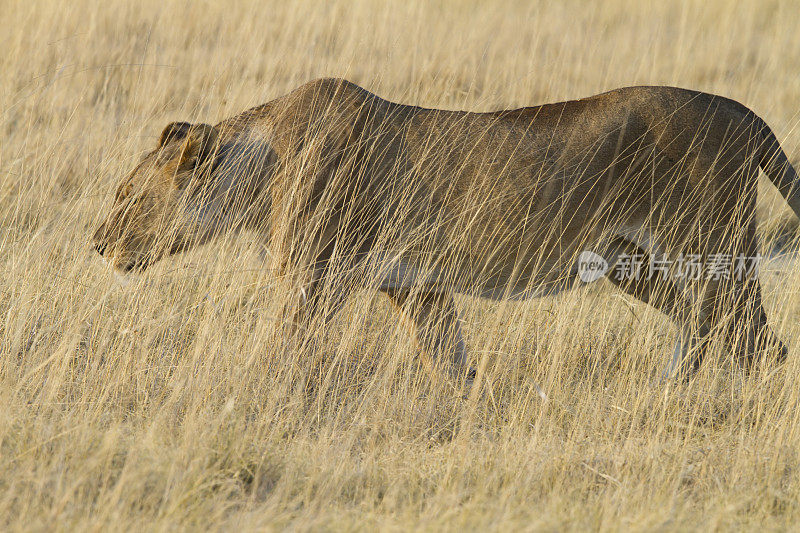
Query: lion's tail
[[773, 161]]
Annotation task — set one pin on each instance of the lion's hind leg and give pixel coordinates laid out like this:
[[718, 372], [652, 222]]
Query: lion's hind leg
[[713, 294], [630, 268], [748, 336]]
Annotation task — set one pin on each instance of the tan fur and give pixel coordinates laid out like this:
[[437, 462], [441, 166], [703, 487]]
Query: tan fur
[[353, 191]]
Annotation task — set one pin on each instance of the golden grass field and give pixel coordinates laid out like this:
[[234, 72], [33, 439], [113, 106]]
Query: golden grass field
[[172, 402]]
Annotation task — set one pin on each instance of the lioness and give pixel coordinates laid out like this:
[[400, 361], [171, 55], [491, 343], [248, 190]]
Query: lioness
[[351, 191]]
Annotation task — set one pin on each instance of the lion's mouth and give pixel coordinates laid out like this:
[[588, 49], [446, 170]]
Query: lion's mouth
[[131, 261], [124, 266], [122, 279], [137, 264]]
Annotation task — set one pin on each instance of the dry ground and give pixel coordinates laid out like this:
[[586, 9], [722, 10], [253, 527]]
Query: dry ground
[[172, 402]]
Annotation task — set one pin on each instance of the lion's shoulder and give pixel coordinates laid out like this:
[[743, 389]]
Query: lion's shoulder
[[323, 92]]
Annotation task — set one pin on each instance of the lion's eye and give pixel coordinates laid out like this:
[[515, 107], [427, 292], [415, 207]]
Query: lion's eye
[[124, 191]]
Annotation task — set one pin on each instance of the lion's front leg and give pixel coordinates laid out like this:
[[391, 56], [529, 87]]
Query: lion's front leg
[[315, 295], [434, 323]]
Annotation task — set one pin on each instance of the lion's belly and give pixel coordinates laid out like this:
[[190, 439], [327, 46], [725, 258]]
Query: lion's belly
[[399, 273]]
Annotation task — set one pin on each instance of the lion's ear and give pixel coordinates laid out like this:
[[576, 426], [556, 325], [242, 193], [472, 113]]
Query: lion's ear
[[173, 132], [198, 144], [197, 140]]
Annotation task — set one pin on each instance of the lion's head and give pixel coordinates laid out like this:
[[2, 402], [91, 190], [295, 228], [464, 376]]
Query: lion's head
[[160, 209]]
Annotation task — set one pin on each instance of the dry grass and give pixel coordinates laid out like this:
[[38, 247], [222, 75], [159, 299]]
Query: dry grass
[[173, 403]]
